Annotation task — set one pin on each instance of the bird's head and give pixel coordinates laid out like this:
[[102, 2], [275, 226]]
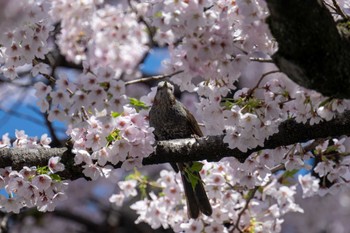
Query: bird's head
[[165, 94]]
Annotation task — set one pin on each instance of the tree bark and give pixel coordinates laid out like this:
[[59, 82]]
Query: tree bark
[[311, 49], [211, 148]]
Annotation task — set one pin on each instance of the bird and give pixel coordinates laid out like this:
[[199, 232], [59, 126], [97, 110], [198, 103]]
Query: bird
[[172, 120]]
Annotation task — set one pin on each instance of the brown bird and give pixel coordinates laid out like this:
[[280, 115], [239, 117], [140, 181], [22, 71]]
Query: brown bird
[[171, 120]]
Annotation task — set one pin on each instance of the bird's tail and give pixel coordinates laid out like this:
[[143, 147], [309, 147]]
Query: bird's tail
[[196, 198]]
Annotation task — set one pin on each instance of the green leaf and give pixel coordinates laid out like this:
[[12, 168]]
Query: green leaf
[[104, 85], [43, 170], [250, 194], [114, 136], [285, 94], [143, 189], [228, 105], [110, 138], [254, 103], [141, 180], [330, 149], [197, 166], [253, 223], [193, 180], [158, 14], [191, 173], [131, 176], [115, 114], [290, 174], [55, 177], [137, 103], [136, 175], [325, 102]]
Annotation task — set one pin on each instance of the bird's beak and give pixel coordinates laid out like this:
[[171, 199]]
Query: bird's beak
[[165, 84]]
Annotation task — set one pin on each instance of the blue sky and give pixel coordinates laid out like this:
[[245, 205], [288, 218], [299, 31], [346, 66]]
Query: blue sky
[[29, 121]]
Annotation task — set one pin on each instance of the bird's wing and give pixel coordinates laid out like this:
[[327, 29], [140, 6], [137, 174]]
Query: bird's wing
[[192, 122]]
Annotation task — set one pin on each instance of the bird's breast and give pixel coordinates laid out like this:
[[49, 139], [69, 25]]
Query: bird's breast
[[169, 123]]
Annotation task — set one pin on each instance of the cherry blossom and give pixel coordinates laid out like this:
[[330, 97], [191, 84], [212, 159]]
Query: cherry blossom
[[212, 46], [55, 165], [309, 184], [118, 199], [128, 187], [29, 188]]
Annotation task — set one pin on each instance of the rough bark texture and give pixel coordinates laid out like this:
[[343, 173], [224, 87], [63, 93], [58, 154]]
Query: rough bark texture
[[17, 158], [211, 148], [311, 50]]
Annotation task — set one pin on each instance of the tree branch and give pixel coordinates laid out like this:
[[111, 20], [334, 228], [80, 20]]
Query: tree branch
[[17, 158], [312, 49], [153, 78], [211, 148]]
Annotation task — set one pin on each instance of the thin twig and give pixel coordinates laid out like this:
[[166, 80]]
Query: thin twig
[[153, 78], [277, 168], [331, 7], [49, 77], [263, 60], [339, 10], [147, 25], [249, 198], [266, 74], [55, 141], [260, 80]]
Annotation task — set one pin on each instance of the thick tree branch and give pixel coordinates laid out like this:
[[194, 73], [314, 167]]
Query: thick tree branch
[[211, 148], [312, 51], [17, 158]]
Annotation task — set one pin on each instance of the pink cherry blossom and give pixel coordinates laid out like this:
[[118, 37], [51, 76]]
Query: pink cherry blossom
[[42, 182], [55, 165]]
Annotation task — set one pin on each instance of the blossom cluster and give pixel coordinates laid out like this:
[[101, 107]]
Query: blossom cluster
[[254, 114], [101, 129], [239, 192], [211, 44], [232, 207], [29, 188], [228, 37], [126, 139], [38, 187], [98, 91], [89, 32], [215, 37], [102, 35], [24, 141], [26, 37]]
